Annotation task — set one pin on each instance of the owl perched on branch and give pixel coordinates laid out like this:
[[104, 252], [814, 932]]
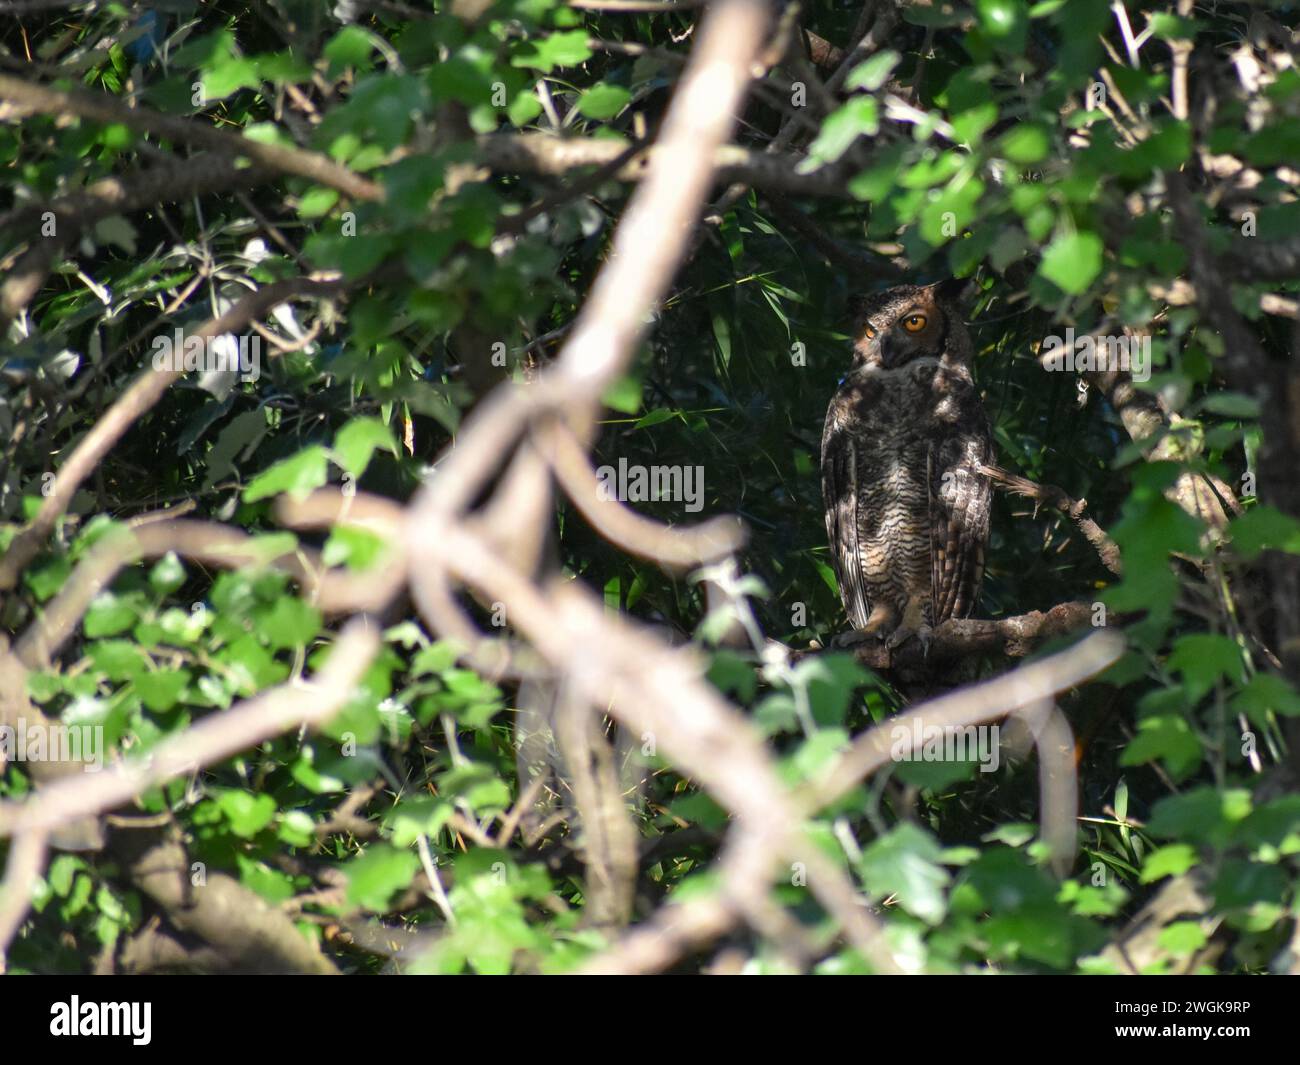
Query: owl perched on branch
[[907, 512]]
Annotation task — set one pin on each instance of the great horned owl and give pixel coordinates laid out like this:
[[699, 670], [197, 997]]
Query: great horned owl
[[907, 512]]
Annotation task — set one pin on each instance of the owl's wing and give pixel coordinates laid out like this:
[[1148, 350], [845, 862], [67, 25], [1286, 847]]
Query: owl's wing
[[840, 503], [960, 500]]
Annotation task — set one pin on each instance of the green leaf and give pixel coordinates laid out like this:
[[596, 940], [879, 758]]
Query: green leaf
[[831, 680], [117, 231], [160, 690], [603, 100], [247, 813], [1182, 938], [229, 76], [297, 828], [1026, 143], [317, 202], [699, 809], [1275, 824], [1072, 262], [1263, 527], [1203, 658], [873, 73], [271, 884], [970, 125], [1204, 815], [523, 109], [43, 687], [478, 785], [436, 658], [905, 862], [299, 476], [117, 659], [1264, 694], [353, 546], [62, 870], [412, 818], [167, 575], [378, 874], [108, 615], [1016, 834], [250, 666], [1173, 860], [655, 417], [938, 775], [1005, 22], [350, 47], [1241, 884], [46, 580], [1231, 405], [357, 441], [288, 623], [776, 713], [729, 672], [557, 50], [624, 396], [861, 115], [282, 67], [1169, 738]]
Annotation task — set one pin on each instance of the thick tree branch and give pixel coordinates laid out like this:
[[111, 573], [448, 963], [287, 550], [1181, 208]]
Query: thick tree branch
[[1012, 637], [243, 929], [551, 156], [993, 699], [200, 175], [620, 667], [24, 98]]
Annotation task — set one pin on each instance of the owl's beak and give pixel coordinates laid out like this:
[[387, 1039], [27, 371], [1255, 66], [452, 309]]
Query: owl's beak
[[891, 353]]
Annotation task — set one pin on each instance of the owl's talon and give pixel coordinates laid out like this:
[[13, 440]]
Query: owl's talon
[[853, 638], [923, 633], [899, 637]]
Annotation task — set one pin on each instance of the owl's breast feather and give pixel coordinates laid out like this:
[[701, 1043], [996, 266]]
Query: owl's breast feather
[[881, 398]]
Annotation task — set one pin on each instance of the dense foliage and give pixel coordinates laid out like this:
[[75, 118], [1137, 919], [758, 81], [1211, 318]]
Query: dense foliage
[[1124, 177]]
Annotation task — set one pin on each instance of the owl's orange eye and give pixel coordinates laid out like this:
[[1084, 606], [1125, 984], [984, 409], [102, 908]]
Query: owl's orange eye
[[914, 323], [868, 332]]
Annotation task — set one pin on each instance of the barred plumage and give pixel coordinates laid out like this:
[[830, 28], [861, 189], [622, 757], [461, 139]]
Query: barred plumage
[[907, 510]]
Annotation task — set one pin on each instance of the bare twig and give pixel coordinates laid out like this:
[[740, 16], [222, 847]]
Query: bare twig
[[1074, 509]]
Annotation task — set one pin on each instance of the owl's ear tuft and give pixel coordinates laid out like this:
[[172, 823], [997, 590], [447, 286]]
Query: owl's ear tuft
[[858, 305], [960, 291]]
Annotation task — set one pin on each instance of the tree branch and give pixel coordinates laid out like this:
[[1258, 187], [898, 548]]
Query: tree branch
[[25, 99], [1013, 637], [141, 396], [1050, 495], [551, 156]]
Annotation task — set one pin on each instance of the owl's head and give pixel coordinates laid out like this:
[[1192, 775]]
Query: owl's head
[[907, 322]]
